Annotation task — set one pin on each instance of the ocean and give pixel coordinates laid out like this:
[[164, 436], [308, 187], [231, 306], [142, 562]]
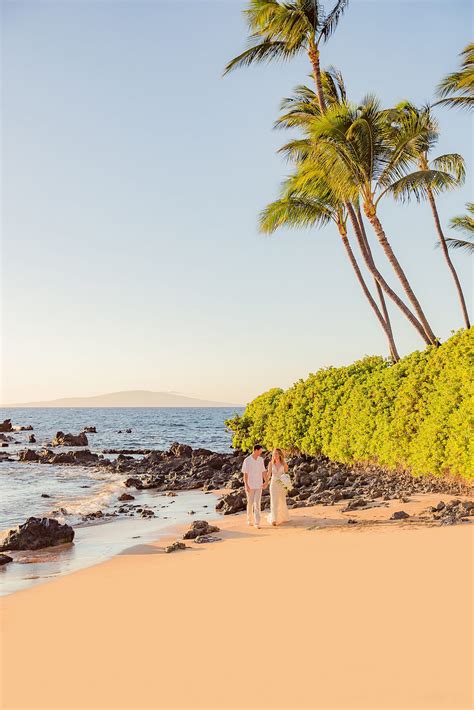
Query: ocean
[[77, 490]]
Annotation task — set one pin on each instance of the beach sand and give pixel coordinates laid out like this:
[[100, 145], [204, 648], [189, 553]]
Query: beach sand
[[376, 615]]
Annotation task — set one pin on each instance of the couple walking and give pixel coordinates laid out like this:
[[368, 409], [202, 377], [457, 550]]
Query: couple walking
[[257, 478]]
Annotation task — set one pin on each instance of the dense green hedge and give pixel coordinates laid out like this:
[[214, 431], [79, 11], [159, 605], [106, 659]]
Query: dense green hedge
[[417, 414]]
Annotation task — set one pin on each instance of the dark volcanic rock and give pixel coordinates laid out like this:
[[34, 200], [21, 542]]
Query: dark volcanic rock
[[37, 533], [206, 538], [134, 482], [177, 449], [62, 439], [399, 515], [126, 496], [199, 527], [83, 457], [5, 559], [178, 545], [6, 425], [90, 430], [28, 455], [234, 502]]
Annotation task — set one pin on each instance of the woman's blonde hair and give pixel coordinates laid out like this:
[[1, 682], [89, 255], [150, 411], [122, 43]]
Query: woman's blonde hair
[[280, 454]]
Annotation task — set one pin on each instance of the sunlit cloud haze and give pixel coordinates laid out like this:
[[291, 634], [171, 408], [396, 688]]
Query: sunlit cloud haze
[[133, 175]]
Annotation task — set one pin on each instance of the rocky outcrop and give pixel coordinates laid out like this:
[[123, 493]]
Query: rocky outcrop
[[456, 511], [5, 559], [399, 515], [37, 533], [126, 496], [6, 425], [90, 430], [83, 457], [199, 528], [62, 439], [231, 503]]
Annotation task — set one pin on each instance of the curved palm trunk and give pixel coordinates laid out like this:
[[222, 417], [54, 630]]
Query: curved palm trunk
[[450, 264], [381, 297], [313, 53], [384, 243], [368, 295], [380, 279]]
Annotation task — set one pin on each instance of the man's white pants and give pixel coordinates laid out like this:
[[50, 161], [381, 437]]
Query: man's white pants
[[254, 504]]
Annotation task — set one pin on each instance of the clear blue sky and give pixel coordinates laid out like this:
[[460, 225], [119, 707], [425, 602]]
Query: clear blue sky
[[133, 175]]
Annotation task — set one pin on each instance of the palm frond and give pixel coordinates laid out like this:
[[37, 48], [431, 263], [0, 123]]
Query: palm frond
[[260, 12], [460, 244], [464, 223], [264, 51], [456, 90], [418, 184], [452, 163], [294, 212], [331, 21]]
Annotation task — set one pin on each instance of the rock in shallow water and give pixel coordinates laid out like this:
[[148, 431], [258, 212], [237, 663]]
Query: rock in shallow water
[[5, 559], [37, 533], [62, 439]]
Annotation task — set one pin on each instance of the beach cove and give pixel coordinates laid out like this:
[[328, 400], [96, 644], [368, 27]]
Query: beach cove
[[316, 614]]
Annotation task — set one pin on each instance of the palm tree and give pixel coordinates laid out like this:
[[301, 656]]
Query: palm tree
[[351, 145], [316, 208], [298, 110], [457, 89], [281, 30], [445, 171], [463, 223]]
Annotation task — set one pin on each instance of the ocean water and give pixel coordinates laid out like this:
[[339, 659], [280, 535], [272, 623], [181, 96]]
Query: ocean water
[[80, 490], [76, 490]]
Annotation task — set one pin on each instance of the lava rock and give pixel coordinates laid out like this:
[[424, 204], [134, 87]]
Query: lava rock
[[62, 439], [200, 539], [399, 515], [198, 528], [6, 425], [126, 496], [37, 533], [175, 546]]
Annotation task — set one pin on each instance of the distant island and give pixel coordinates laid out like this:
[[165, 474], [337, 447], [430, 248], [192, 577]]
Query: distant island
[[127, 398]]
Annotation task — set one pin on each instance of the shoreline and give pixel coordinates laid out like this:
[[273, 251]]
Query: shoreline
[[363, 603]]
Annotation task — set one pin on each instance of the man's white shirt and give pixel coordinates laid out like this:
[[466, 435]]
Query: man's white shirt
[[254, 468]]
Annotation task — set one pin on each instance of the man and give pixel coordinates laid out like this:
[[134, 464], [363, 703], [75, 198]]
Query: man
[[253, 469]]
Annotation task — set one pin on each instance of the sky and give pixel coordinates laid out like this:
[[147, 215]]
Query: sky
[[132, 179]]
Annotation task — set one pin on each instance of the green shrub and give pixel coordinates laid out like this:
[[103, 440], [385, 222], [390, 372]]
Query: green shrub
[[417, 414]]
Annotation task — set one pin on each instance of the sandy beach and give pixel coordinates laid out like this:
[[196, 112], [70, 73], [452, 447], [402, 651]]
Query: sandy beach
[[314, 614]]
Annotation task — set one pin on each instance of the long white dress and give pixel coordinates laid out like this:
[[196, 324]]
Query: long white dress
[[278, 507]]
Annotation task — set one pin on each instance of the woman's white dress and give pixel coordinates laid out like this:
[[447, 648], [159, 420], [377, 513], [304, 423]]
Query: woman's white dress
[[278, 507]]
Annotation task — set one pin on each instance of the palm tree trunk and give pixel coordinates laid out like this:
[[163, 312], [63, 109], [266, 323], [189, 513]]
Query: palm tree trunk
[[368, 295], [313, 54], [384, 243], [450, 264], [380, 279], [383, 305]]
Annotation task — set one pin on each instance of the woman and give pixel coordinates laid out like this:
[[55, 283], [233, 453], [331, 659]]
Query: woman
[[276, 469]]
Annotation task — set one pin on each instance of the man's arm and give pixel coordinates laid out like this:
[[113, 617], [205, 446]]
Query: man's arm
[[246, 478], [246, 482]]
